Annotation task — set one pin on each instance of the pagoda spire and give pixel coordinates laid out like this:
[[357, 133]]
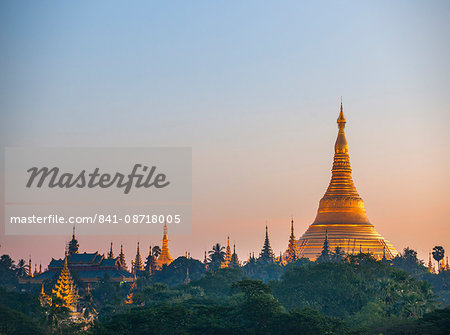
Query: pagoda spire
[[110, 253], [227, 260], [65, 288], [266, 255], [137, 264], [73, 245], [430, 264], [234, 262], [341, 202], [165, 258], [122, 260], [30, 269], [291, 252]]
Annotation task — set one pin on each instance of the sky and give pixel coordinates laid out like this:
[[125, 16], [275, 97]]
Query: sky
[[254, 88]]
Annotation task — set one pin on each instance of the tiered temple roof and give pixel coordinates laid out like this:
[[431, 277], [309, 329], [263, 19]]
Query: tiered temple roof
[[89, 267]]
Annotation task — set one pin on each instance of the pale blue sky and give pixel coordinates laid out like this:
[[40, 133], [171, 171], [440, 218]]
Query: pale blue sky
[[254, 88]]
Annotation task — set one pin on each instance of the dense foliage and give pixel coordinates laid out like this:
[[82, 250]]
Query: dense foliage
[[351, 295]]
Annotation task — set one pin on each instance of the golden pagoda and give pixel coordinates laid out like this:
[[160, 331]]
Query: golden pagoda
[[65, 288], [291, 252], [443, 267], [164, 258], [342, 214], [430, 264], [227, 261]]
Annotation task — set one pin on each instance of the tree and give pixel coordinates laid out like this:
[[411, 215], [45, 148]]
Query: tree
[[21, 268], [258, 306], [55, 314], [409, 262], [338, 255], [325, 254], [6, 262], [156, 251], [216, 256], [88, 305], [150, 262], [438, 253], [234, 262]]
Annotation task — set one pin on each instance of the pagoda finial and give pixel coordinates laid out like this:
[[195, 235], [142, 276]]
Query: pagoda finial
[[341, 145], [341, 118], [110, 253]]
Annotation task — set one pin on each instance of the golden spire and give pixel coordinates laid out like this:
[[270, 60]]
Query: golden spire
[[341, 202], [430, 264], [164, 258], [227, 260], [65, 289], [291, 252]]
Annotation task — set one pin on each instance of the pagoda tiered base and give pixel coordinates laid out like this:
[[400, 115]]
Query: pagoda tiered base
[[350, 238]]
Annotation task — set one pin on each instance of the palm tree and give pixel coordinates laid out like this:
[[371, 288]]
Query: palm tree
[[55, 314], [216, 256], [7, 262], [88, 304], [156, 251], [21, 268], [438, 253]]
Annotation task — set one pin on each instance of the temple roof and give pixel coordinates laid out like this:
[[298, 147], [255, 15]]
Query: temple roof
[[86, 275], [84, 259]]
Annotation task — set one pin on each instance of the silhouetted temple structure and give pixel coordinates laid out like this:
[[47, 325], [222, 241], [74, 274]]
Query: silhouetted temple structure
[[342, 214], [87, 267]]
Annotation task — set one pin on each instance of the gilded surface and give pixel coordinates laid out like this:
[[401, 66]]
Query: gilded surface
[[342, 213]]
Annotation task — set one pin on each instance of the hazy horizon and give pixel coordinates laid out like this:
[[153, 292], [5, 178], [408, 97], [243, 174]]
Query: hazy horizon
[[254, 88]]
